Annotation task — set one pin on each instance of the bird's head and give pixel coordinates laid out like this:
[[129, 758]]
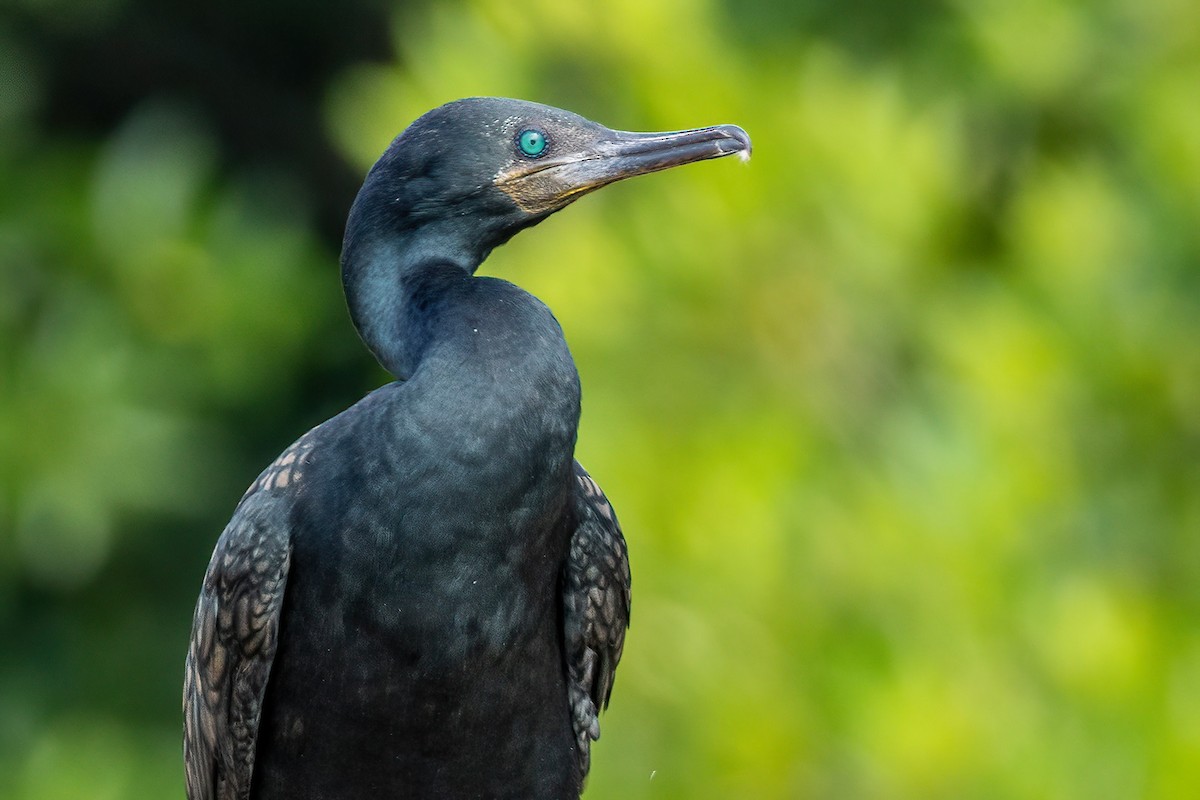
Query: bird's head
[[477, 171]]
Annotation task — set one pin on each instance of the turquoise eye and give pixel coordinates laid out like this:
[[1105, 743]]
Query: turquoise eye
[[532, 143]]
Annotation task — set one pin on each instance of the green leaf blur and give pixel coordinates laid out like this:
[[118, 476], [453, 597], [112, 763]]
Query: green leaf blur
[[902, 418]]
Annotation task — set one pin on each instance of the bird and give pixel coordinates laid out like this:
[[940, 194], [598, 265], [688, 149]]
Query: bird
[[426, 596]]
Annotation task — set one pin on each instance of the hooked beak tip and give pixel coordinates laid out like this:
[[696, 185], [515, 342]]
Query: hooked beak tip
[[738, 141]]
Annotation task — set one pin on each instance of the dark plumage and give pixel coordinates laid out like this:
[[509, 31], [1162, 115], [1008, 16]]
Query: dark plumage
[[426, 596]]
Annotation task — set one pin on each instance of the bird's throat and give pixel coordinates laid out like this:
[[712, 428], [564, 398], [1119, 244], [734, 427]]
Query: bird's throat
[[395, 292]]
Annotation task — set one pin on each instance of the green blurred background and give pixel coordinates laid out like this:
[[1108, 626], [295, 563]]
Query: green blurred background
[[902, 419]]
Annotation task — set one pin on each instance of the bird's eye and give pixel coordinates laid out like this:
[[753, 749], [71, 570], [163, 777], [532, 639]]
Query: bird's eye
[[532, 143]]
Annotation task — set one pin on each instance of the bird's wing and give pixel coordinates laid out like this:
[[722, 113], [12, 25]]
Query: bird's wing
[[234, 634], [596, 605]]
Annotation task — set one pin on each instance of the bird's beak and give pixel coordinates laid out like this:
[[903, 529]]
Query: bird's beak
[[548, 184]]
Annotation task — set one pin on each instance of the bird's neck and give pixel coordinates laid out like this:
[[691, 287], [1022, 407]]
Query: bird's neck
[[397, 288], [488, 361]]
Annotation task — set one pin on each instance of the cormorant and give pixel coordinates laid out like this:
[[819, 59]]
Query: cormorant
[[426, 596]]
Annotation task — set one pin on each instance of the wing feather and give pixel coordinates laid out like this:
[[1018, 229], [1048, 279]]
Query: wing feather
[[234, 634], [597, 605]]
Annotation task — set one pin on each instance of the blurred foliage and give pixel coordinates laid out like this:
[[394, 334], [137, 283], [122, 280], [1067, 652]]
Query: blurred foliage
[[902, 419]]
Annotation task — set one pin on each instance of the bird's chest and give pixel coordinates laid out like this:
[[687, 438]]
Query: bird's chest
[[440, 535]]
